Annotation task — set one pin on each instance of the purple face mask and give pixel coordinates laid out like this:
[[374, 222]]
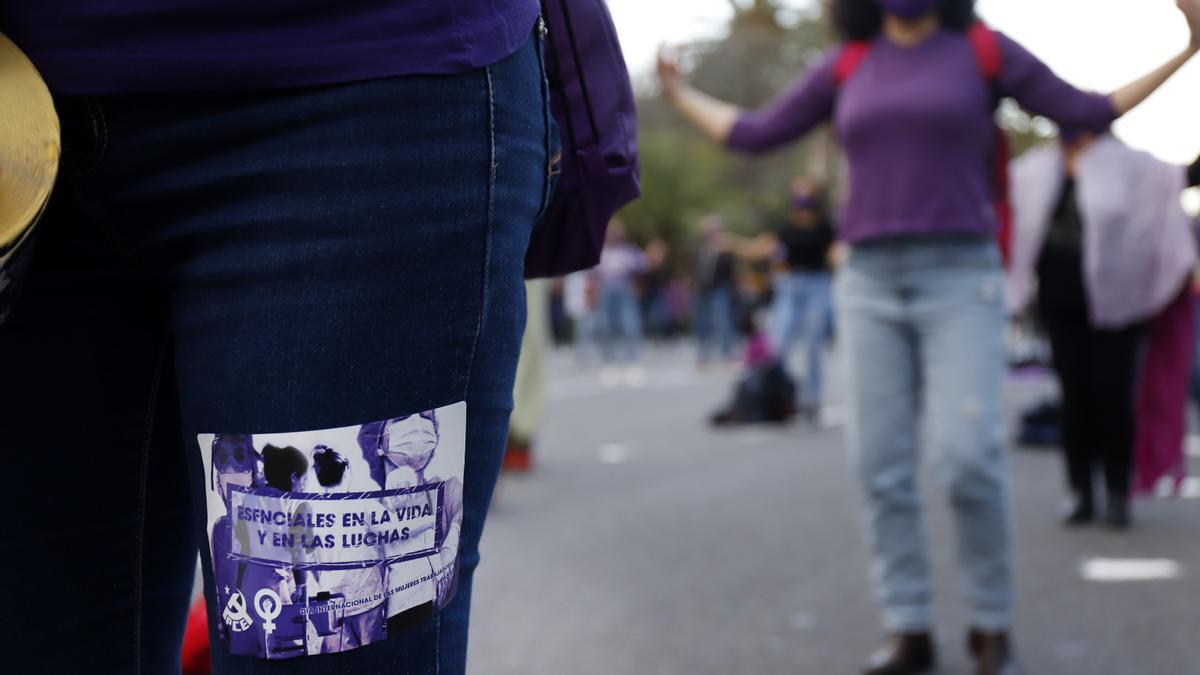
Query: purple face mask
[[804, 202], [910, 9]]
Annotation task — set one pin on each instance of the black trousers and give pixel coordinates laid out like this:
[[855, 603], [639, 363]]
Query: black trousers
[[1097, 370]]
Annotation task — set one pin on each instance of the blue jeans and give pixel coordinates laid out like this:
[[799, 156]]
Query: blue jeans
[[621, 321], [713, 314], [260, 262], [801, 310], [658, 316], [922, 328]]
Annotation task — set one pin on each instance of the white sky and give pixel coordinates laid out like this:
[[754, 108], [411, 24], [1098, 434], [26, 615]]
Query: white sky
[[1095, 44]]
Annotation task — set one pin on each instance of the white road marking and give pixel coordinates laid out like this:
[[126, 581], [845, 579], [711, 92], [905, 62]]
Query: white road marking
[[1190, 489], [1112, 570], [1193, 445], [1165, 488], [614, 453]]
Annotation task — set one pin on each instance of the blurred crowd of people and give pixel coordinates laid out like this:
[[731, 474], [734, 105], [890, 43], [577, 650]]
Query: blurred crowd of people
[[1106, 285], [722, 292], [941, 243]]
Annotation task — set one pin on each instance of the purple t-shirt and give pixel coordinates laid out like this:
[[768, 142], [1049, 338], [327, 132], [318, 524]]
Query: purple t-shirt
[[121, 46], [916, 124]]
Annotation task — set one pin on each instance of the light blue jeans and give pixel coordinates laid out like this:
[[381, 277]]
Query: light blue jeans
[[713, 315], [921, 325], [801, 310], [621, 321]]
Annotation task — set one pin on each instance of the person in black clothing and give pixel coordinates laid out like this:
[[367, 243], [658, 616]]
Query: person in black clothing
[[801, 308], [1097, 367], [1096, 370], [713, 304]]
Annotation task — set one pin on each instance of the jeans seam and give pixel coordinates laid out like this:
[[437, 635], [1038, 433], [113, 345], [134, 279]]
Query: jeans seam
[[139, 532], [437, 643], [483, 299], [487, 233]]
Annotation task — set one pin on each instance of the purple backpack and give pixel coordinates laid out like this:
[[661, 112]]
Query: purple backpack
[[593, 105]]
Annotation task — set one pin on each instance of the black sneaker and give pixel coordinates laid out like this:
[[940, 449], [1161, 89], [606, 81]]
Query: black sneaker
[[903, 654], [1079, 511], [993, 653], [1117, 515]]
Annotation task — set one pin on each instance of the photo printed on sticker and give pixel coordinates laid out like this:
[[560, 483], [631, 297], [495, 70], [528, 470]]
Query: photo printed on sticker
[[323, 541]]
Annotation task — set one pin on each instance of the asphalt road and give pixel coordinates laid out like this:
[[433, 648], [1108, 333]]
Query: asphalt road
[[645, 543]]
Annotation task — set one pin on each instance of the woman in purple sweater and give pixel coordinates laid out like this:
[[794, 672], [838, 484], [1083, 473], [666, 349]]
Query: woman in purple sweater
[[272, 216], [921, 296]]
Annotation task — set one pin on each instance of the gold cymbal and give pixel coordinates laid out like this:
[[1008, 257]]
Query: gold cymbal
[[29, 145]]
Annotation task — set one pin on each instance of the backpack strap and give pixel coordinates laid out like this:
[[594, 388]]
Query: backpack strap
[[986, 46], [1003, 196], [1003, 155], [984, 43], [849, 59]]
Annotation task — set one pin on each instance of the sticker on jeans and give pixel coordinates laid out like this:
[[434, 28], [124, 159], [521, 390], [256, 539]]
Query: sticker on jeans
[[323, 541]]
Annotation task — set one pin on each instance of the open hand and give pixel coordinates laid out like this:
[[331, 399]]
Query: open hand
[[668, 68]]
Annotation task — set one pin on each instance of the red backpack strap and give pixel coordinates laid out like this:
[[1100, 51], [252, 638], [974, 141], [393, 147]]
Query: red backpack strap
[[1004, 212], [1003, 154], [986, 46], [849, 59]]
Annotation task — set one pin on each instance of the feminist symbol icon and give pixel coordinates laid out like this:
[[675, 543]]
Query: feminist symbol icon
[[266, 603]]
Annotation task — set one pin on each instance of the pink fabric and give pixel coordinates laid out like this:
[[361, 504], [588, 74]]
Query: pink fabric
[[1161, 403], [1138, 243], [758, 350]]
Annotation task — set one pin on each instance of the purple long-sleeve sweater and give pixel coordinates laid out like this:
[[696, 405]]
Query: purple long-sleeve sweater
[[916, 124], [119, 46]]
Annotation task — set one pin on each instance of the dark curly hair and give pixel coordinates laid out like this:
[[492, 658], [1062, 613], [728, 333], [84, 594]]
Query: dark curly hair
[[329, 465], [281, 465], [863, 19]]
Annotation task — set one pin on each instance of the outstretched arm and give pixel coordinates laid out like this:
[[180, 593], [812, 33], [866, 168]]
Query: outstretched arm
[[763, 247], [1133, 94], [806, 104], [1041, 92], [710, 115]]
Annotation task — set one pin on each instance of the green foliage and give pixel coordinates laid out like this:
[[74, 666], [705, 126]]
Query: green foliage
[[682, 180], [685, 176], [1024, 130]]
